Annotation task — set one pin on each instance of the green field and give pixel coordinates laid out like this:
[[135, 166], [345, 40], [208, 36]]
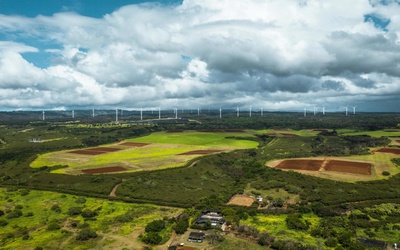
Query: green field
[[377, 133], [163, 152], [30, 230]]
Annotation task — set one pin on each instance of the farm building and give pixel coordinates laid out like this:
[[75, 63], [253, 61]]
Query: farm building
[[213, 217], [196, 237]]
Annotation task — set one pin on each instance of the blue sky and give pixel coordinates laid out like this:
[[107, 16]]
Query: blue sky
[[275, 55]]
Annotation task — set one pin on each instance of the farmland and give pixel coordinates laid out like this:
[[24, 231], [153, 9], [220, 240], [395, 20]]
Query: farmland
[[156, 151], [323, 198]]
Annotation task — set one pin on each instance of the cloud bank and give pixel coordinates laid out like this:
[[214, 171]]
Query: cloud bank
[[277, 55]]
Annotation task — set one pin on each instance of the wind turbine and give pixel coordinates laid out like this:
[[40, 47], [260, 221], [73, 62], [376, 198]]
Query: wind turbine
[[198, 111], [176, 113], [262, 110], [250, 112], [141, 113], [354, 110], [159, 113], [346, 110], [220, 112], [93, 113], [305, 112], [315, 110], [323, 110], [73, 113], [116, 115], [237, 111], [43, 115]]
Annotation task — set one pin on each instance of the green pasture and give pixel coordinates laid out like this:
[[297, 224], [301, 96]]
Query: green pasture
[[200, 139], [163, 152], [377, 133], [37, 214], [276, 226], [279, 132]]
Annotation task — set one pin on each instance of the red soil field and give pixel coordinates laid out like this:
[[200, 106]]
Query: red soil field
[[310, 165], [134, 144], [349, 167], [94, 151], [398, 141], [201, 152], [395, 151], [103, 170], [288, 134], [86, 152], [241, 200], [104, 149]]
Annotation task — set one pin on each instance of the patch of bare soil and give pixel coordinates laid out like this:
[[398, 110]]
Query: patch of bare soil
[[241, 200]]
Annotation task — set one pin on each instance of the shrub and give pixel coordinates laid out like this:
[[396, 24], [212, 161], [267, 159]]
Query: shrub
[[14, 214], [74, 211], [80, 200], [56, 208], [385, 173], [1, 212], [152, 238], [53, 225], [155, 226], [86, 234], [181, 226], [87, 213], [3, 223], [295, 221]]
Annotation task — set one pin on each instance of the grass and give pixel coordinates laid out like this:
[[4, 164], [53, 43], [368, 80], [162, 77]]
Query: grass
[[200, 139], [39, 203], [162, 153], [377, 133], [275, 225]]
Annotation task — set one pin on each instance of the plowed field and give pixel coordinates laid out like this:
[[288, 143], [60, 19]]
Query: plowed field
[[395, 151], [349, 167], [310, 165], [241, 200], [134, 144]]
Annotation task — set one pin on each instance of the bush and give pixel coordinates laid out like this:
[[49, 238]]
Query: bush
[[53, 225], [80, 200], [152, 238], [1, 212], [155, 226], [3, 223], [385, 173], [86, 234], [181, 226], [124, 218], [14, 214], [74, 211], [56, 208], [87, 213], [295, 221]]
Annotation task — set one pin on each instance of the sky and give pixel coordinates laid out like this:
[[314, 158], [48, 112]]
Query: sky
[[278, 55]]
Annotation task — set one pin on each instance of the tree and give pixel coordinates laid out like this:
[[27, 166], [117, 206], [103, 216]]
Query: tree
[[181, 226], [155, 226], [152, 238], [86, 234]]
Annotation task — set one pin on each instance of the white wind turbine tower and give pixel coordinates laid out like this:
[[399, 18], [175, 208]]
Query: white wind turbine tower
[[176, 113], [354, 110], [141, 113], [323, 110], [116, 115], [262, 110], [250, 112], [73, 113], [315, 110], [305, 112], [237, 112], [198, 111], [220, 112], [159, 113], [93, 113], [43, 116], [346, 110]]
